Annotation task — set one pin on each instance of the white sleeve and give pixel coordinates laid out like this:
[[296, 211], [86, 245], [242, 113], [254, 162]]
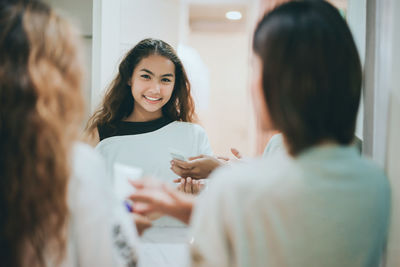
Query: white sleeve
[[204, 147], [210, 243], [275, 145], [102, 233]]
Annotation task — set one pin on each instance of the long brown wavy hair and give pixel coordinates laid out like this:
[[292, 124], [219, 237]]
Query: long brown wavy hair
[[40, 111], [118, 102]]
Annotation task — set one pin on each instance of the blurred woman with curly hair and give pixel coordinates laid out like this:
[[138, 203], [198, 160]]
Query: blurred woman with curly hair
[[48, 185]]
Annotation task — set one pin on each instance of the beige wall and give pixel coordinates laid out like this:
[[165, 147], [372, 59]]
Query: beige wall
[[393, 166], [393, 146], [229, 118]]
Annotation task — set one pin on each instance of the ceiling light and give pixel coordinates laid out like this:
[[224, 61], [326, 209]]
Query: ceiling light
[[233, 15]]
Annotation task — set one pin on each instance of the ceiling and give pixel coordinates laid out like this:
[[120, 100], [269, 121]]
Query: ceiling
[[209, 15]]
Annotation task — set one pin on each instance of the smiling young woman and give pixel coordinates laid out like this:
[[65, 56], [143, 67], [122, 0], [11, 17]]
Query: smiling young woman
[[146, 114], [148, 70], [152, 84]]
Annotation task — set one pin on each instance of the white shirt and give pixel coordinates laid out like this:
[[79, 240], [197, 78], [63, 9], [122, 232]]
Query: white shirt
[[151, 151], [165, 244], [328, 207], [100, 232], [275, 145]]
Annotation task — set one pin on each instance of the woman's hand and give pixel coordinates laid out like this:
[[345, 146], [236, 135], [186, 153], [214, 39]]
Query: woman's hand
[[189, 185], [154, 196], [141, 222], [202, 166], [236, 153], [198, 167]]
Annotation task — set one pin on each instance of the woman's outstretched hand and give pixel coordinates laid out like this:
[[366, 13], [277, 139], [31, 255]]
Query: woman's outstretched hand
[[152, 196], [196, 167], [189, 185], [202, 166]]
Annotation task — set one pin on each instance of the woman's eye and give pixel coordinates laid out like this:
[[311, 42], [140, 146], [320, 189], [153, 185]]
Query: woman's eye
[[166, 80], [145, 76]]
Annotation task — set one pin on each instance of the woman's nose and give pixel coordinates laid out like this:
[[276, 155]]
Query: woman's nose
[[156, 88]]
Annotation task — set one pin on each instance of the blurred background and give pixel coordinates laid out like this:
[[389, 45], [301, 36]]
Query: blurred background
[[213, 39]]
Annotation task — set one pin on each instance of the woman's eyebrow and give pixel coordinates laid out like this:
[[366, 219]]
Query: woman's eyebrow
[[146, 70], [164, 75]]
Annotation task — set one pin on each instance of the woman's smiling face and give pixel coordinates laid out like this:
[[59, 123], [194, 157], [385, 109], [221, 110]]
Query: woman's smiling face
[[152, 84]]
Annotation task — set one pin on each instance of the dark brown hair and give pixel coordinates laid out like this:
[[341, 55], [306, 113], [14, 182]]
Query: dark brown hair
[[311, 73], [40, 111], [118, 102]]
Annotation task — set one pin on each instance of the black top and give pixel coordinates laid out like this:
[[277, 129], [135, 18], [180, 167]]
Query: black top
[[131, 128]]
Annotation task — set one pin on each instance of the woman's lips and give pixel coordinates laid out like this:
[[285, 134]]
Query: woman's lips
[[152, 100]]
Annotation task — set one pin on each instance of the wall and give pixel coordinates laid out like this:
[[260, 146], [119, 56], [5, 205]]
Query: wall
[[377, 82], [382, 104], [356, 18], [118, 25], [79, 12], [393, 143], [228, 117]]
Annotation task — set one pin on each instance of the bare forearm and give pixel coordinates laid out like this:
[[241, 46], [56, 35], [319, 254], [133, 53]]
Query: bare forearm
[[183, 211]]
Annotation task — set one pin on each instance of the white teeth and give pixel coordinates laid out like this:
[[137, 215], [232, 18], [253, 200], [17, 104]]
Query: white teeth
[[152, 98]]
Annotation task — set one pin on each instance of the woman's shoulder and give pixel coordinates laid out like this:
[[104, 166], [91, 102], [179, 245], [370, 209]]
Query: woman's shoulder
[[84, 153], [256, 174], [87, 164], [91, 198], [369, 172], [107, 130], [188, 126], [91, 137], [275, 145]]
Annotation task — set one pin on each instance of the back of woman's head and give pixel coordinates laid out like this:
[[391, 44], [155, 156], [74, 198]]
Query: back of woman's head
[[311, 73], [40, 111], [118, 102]]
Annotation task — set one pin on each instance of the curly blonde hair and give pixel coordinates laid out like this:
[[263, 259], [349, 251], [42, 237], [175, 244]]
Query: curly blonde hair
[[40, 112]]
